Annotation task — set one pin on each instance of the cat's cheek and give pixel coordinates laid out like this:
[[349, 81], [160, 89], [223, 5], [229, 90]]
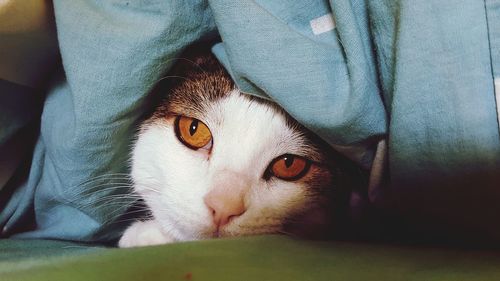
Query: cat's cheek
[[144, 233]]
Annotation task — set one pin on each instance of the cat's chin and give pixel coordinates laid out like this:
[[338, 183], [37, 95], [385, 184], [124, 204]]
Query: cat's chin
[[231, 231], [227, 233], [147, 233]]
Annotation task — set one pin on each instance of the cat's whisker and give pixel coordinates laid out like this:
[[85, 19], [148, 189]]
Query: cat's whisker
[[117, 200], [106, 178], [135, 211], [106, 185], [151, 189], [123, 190], [111, 222], [124, 213], [77, 191], [173, 76], [103, 176], [185, 59], [287, 233], [121, 213], [116, 191], [109, 200], [106, 202], [106, 175], [108, 188], [114, 220], [129, 209], [104, 181], [103, 187]]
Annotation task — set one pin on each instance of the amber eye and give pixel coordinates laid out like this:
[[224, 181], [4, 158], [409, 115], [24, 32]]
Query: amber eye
[[192, 132], [289, 167]]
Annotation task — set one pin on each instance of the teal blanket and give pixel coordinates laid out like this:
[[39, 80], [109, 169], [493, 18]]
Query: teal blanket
[[418, 74]]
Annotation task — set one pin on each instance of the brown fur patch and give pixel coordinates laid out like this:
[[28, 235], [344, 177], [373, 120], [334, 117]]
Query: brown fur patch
[[194, 83]]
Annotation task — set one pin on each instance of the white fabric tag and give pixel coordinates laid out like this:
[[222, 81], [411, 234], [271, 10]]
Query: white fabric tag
[[322, 24]]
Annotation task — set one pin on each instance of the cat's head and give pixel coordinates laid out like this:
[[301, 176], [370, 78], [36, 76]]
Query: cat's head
[[213, 162]]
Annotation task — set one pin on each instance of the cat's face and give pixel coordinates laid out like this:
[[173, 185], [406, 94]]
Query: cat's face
[[214, 162]]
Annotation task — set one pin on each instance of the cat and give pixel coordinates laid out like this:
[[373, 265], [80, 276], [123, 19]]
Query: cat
[[211, 162]]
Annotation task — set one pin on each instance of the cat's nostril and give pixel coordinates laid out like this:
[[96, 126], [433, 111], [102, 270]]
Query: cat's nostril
[[211, 210], [230, 218], [223, 217]]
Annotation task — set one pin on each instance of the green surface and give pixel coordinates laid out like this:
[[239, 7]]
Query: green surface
[[254, 258]]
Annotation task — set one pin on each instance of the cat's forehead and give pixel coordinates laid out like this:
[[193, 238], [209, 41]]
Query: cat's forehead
[[243, 121], [208, 93], [239, 121]]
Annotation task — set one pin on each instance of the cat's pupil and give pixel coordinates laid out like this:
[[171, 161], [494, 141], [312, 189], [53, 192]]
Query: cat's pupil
[[193, 127], [288, 161]]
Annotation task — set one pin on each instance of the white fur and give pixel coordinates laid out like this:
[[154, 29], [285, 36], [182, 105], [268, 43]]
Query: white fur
[[144, 233], [174, 179]]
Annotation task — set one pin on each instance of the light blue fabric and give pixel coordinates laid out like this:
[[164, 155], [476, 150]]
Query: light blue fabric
[[112, 53], [419, 73], [441, 90], [331, 87], [436, 65]]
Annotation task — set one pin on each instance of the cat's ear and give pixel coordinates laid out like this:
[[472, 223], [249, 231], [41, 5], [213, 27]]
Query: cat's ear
[[195, 60]]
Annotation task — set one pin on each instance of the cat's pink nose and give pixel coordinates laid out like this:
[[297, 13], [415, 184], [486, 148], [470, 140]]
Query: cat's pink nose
[[226, 200], [224, 207]]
